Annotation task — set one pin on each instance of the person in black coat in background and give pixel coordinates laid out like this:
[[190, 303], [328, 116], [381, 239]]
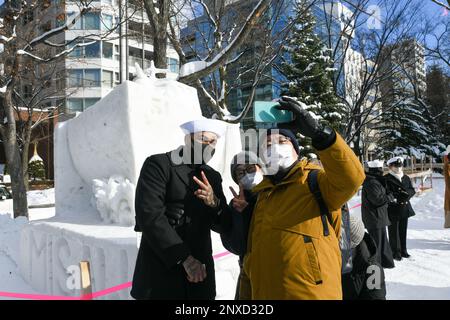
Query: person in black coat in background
[[246, 172], [366, 281], [374, 211], [179, 199], [400, 210]]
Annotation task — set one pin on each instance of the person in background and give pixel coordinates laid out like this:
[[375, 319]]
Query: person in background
[[374, 210], [179, 200], [447, 188], [400, 185], [293, 251], [366, 281], [247, 173]]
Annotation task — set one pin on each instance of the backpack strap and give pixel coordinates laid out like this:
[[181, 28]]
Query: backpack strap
[[313, 185]]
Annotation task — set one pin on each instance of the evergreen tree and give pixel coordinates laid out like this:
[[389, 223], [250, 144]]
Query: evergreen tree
[[407, 129], [36, 167], [307, 67], [438, 98], [36, 170]]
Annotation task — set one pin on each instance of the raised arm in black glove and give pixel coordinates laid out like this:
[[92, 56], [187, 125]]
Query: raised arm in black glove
[[322, 137]]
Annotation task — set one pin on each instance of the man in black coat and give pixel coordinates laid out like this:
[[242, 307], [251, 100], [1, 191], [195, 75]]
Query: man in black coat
[[179, 199], [399, 211], [374, 211], [366, 281]]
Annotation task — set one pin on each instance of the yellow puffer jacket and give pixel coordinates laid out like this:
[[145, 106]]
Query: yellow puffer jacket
[[288, 255]]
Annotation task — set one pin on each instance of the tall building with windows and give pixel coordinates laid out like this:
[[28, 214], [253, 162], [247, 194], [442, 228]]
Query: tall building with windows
[[407, 62], [333, 19], [93, 69]]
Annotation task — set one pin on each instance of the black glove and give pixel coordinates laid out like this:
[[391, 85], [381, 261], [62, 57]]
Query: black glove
[[175, 215], [304, 123], [403, 196], [391, 198]]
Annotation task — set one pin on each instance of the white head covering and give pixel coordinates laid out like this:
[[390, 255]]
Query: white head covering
[[448, 149], [216, 126], [375, 164], [394, 159], [357, 231]]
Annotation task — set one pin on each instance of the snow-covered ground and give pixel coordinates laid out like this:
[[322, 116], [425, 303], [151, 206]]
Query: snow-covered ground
[[426, 275]]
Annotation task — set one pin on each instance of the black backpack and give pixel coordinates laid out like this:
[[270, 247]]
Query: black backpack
[[344, 242]]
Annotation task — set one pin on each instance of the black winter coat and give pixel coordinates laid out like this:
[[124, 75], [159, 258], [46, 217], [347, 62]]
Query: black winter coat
[[235, 239], [174, 225], [374, 203], [403, 191], [354, 284]]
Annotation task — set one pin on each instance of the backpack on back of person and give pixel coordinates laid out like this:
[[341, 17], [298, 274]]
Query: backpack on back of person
[[344, 241]]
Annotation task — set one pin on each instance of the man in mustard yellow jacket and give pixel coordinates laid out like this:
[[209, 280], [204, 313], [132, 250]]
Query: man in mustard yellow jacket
[[290, 254]]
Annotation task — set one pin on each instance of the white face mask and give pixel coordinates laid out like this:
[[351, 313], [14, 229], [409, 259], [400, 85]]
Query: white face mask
[[280, 156], [251, 180]]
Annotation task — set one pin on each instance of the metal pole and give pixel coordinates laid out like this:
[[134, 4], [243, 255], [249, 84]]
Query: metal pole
[[126, 41], [120, 42]]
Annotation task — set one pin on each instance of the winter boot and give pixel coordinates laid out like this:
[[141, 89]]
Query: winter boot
[[397, 256]]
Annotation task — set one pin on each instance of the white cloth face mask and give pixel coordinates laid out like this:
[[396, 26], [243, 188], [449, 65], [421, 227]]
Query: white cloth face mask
[[251, 180]]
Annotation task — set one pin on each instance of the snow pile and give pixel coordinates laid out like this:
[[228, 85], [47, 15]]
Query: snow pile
[[40, 197], [426, 274], [9, 235], [113, 198], [11, 281], [192, 67]]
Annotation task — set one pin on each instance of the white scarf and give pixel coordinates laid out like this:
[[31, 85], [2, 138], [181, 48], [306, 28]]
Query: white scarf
[[399, 176]]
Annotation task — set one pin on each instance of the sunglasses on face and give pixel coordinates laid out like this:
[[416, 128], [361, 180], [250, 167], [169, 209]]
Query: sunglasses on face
[[240, 173]]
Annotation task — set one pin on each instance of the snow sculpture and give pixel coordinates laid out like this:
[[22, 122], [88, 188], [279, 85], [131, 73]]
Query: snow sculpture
[[113, 198], [98, 157]]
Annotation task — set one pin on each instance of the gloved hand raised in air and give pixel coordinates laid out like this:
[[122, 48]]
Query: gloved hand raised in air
[[322, 137]]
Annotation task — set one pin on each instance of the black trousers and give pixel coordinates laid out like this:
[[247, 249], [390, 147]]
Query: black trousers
[[397, 236], [384, 253]]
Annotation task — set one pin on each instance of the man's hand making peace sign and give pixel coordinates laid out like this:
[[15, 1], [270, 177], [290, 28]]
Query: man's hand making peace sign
[[239, 203], [206, 192]]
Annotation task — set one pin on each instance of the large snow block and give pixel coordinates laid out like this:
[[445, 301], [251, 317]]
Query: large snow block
[[51, 252], [115, 136]]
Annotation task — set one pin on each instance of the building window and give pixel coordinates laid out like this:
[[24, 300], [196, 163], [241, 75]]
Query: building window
[[74, 105], [84, 78], [91, 78], [107, 22], [116, 78], [79, 104], [78, 23], [88, 21], [173, 65], [75, 78], [60, 20], [89, 102], [91, 21], [107, 78], [89, 51], [107, 50], [92, 50], [27, 91]]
